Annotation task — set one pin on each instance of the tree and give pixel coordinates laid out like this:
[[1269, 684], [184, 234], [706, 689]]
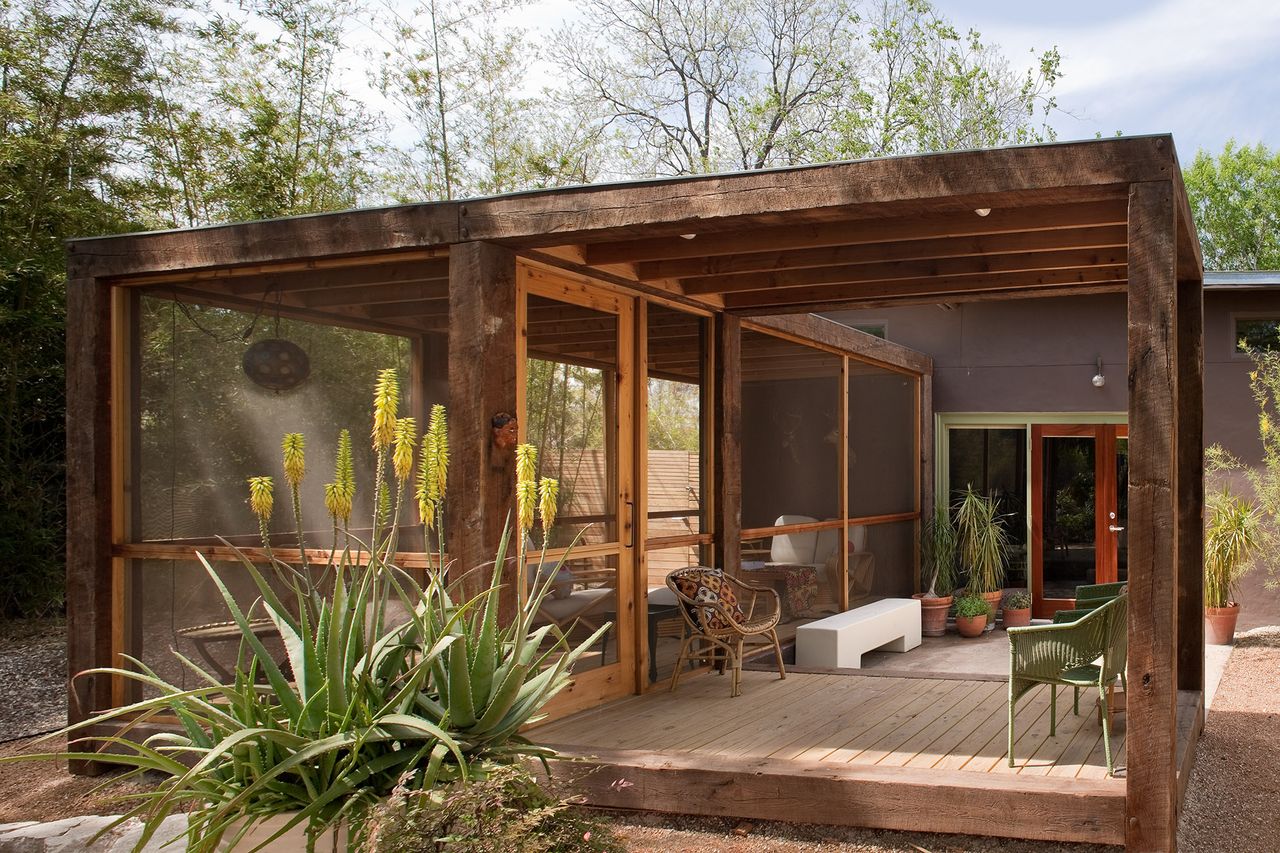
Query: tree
[[1235, 199], [703, 85], [457, 72]]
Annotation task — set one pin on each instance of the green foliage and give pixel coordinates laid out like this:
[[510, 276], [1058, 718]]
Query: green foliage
[[968, 606], [1235, 199], [1232, 535], [505, 812], [982, 542], [1018, 599], [938, 551], [387, 686]]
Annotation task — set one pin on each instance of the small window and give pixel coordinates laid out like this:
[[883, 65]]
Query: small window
[[876, 329], [1257, 333]]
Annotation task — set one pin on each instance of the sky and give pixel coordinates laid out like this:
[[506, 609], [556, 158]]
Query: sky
[[1206, 71]]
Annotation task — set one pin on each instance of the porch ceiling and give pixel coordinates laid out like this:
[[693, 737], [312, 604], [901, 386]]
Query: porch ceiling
[[993, 224]]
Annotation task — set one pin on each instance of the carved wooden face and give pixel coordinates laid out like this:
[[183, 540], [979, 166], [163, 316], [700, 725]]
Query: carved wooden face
[[506, 436]]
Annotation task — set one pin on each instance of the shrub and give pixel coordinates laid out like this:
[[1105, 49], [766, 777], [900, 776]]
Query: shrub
[[971, 605], [505, 812]]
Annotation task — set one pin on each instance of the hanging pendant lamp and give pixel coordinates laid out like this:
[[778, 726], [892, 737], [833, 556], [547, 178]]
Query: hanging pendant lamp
[[276, 364]]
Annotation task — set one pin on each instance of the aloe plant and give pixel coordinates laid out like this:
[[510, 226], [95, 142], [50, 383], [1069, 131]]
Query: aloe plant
[[361, 707]]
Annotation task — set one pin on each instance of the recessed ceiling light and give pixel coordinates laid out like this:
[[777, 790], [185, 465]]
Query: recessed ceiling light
[[982, 211], [688, 236]]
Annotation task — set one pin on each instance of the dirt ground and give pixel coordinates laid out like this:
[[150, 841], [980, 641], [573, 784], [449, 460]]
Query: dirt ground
[[1231, 798]]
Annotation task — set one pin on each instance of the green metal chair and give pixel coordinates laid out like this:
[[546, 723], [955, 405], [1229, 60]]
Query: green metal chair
[[1087, 652], [1090, 597]]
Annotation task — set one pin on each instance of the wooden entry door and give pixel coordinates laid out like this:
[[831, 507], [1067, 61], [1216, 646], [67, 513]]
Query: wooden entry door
[[577, 393], [1079, 510]]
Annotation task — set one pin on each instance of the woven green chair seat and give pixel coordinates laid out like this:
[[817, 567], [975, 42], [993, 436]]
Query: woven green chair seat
[[1087, 650]]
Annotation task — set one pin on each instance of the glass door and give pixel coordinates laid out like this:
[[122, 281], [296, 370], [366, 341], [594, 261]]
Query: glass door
[[578, 397], [1079, 494]]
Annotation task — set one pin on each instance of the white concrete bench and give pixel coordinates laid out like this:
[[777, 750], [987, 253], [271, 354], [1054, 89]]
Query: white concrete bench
[[840, 641]]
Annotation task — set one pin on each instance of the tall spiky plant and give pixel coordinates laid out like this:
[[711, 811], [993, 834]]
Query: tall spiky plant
[[339, 496], [262, 502], [433, 476], [1232, 536], [386, 407], [981, 539], [526, 493], [293, 447]]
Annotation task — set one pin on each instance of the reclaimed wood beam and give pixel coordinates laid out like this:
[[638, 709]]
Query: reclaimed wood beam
[[1151, 728], [849, 340], [1190, 471], [482, 383], [941, 288], [949, 224], [749, 260], [602, 212], [1029, 262], [726, 502], [377, 294], [1041, 292], [436, 269]]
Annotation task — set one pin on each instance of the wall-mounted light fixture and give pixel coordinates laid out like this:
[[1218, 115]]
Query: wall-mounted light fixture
[[1099, 379], [982, 211]]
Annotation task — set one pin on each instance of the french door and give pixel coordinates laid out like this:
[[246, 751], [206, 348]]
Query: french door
[[577, 396], [1079, 510]]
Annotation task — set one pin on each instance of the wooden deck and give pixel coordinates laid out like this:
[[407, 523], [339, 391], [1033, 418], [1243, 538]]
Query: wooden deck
[[880, 751]]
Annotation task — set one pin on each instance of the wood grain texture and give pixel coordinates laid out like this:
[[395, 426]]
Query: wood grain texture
[[1190, 477], [610, 211], [846, 340], [1153, 517], [727, 415], [91, 495], [482, 383]]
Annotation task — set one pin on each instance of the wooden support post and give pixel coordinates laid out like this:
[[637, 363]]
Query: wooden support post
[[482, 383], [926, 443], [1153, 520], [1190, 456], [90, 498], [727, 336]]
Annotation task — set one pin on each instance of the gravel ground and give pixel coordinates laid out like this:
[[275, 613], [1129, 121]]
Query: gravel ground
[[33, 667], [1230, 799], [1235, 786]]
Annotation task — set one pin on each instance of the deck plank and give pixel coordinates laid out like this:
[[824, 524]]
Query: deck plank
[[969, 707]]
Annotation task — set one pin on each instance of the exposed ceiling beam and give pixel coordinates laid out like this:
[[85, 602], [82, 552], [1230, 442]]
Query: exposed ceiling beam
[[377, 294], [937, 288], [1091, 237], [1030, 262], [965, 223], [323, 279], [873, 302]]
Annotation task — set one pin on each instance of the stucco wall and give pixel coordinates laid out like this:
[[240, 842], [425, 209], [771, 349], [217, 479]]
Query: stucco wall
[[1040, 355]]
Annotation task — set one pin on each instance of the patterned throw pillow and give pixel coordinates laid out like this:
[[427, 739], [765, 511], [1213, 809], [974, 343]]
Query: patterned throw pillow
[[709, 586]]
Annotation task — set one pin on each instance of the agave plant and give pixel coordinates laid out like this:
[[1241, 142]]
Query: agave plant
[[386, 683]]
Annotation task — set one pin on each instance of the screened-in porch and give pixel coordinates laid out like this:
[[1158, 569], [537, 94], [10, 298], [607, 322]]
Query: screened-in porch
[[656, 343]]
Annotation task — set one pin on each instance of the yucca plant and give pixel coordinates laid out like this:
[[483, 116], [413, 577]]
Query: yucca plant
[[938, 555], [981, 540], [361, 707], [1232, 536]]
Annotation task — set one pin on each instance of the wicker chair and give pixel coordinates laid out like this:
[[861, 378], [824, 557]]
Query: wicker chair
[[714, 620], [1090, 597], [1087, 652]]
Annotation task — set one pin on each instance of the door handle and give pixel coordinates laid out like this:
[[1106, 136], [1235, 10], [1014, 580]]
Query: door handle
[[1115, 529]]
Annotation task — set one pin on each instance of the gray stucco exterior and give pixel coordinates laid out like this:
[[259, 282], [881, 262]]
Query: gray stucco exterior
[[1040, 355]]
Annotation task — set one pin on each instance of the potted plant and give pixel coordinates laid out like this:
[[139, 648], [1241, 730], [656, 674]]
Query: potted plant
[[972, 613], [1232, 535], [389, 685], [982, 544], [1017, 608], [937, 572]]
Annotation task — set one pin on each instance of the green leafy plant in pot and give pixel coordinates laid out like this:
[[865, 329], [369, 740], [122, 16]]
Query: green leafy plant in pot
[[1232, 535], [972, 614], [1016, 608], [982, 544], [389, 685], [937, 572]]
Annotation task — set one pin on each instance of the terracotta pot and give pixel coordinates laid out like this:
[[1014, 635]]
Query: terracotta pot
[[993, 601], [1220, 624], [971, 626], [1017, 618], [933, 614]]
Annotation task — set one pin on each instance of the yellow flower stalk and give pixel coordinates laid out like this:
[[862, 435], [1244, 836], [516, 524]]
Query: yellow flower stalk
[[526, 500], [406, 436], [548, 496], [344, 473], [526, 463], [438, 464], [261, 498], [338, 503], [386, 402], [295, 466]]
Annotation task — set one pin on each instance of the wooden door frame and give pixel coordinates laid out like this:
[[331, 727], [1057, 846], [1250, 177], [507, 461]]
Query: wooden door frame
[[595, 687], [1106, 498]]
